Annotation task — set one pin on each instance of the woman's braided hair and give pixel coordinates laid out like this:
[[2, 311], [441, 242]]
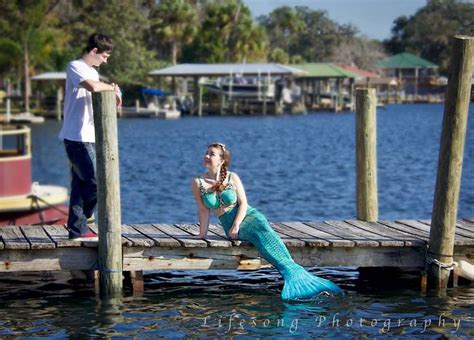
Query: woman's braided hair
[[225, 155]]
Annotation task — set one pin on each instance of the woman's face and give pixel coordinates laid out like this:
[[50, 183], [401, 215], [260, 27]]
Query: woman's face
[[212, 158]]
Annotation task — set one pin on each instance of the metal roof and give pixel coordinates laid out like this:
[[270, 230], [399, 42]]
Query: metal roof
[[55, 76], [405, 60], [325, 70], [50, 76], [187, 70]]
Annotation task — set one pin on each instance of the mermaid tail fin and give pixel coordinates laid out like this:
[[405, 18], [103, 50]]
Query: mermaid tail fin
[[300, 284]]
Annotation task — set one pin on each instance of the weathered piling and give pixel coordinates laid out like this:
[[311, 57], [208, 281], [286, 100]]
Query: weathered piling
[[439, 257], [366, 156], [108, 199]]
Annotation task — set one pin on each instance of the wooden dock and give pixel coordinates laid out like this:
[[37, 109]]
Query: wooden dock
[[352, 243]]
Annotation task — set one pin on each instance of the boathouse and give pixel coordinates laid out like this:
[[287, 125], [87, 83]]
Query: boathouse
[[418, 77], [326, 86], [226, 88], [386, 87]]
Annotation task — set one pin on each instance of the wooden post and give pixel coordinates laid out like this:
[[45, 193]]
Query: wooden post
[[8, 110], [59, 99], [108, 194], [222, 105], [366, 156], [200, 101], [448, 180]]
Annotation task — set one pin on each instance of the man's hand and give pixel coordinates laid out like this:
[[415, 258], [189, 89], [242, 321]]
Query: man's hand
[[118, 94]]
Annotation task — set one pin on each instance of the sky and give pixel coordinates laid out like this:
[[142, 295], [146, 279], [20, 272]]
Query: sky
[[373, 18]]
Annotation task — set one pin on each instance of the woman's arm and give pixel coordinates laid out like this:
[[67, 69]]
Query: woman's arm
[[241, 212], [203, 212]]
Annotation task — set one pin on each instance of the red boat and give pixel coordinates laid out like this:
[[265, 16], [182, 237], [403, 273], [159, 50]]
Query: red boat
[[21, 201]]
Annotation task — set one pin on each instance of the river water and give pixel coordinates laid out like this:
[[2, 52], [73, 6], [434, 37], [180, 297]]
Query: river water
[[293, 168]]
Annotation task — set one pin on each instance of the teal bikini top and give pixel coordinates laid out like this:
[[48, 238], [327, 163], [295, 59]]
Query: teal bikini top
[[214, 200]]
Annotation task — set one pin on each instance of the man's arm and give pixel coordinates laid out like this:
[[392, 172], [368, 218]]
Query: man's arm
[[96, 86]]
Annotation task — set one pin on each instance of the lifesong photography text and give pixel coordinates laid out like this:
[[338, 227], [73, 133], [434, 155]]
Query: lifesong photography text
[[235, 322]]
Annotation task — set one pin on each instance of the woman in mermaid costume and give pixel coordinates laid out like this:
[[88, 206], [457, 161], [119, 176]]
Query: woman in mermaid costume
[[222, 191]]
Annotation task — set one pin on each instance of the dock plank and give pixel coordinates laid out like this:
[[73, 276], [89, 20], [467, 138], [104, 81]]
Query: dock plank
[[212, 239], [136, 238], [460, 224], [387, 236], [60, 236], [469, 224], [37, 237], [288, 239], [467, 227], [311, 230], [349, 232], [186, 239], [407, 229], [125, 241], [13, 238], [296, 230], [461, 229], [160, 238], [219, 230], [458, 239]]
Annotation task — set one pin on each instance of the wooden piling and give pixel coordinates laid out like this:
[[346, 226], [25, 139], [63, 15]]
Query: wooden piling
[[59, 99], [366, 156], [200, 101], [108, 194], [448, 180]]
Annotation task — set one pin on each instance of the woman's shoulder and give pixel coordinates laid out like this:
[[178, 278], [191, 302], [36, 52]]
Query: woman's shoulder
[[233, 174]]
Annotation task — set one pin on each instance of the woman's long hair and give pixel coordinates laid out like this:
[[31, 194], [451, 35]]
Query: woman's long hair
[[225, 155]]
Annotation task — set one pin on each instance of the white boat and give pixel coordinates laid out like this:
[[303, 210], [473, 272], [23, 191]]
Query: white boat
[[249, 87]]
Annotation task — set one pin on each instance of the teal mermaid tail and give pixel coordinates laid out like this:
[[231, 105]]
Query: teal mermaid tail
[[299, 284]]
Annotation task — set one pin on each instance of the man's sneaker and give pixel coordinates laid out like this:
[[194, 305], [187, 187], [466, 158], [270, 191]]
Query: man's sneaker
[[88, 236]]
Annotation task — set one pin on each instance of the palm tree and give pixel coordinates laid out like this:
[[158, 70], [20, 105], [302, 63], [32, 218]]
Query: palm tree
[[31, 35], [175, 22]]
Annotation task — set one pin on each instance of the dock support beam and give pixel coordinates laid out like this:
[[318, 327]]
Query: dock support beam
[[108, 194], [366, 155], [445, 204]]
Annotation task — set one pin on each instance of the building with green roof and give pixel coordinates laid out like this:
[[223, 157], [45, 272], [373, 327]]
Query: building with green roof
[[415, 75], [325, 80]]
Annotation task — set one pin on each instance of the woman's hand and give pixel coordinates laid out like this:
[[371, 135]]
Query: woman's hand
[[234, 232]]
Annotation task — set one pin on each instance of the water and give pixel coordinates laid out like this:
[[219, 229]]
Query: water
[[294, 168]]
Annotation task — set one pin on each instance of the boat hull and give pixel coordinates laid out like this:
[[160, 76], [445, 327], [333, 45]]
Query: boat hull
[[56, 214]]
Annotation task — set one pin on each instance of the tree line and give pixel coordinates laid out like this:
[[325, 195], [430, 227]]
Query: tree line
[[43, 35]]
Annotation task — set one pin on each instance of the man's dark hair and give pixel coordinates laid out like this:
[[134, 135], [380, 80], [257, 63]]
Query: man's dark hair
[[102, 42]]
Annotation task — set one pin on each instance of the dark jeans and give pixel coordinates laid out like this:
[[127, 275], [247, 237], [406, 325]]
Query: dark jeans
[[83, 198]]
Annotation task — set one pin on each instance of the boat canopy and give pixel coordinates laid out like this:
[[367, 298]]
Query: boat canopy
[[155, 92]]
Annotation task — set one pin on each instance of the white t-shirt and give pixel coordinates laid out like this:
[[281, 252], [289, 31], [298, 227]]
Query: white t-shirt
[[78, 122]]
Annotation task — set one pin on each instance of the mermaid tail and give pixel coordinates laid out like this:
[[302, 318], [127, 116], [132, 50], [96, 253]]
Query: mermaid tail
[[299, 284]]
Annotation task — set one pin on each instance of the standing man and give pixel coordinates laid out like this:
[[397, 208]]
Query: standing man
[[78, 131]]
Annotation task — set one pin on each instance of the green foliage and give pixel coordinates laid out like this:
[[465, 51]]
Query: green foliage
[[304, 32], [428, 33], [227, 34], [279, 56], [44, 35], [126, 24], [174, 22]]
